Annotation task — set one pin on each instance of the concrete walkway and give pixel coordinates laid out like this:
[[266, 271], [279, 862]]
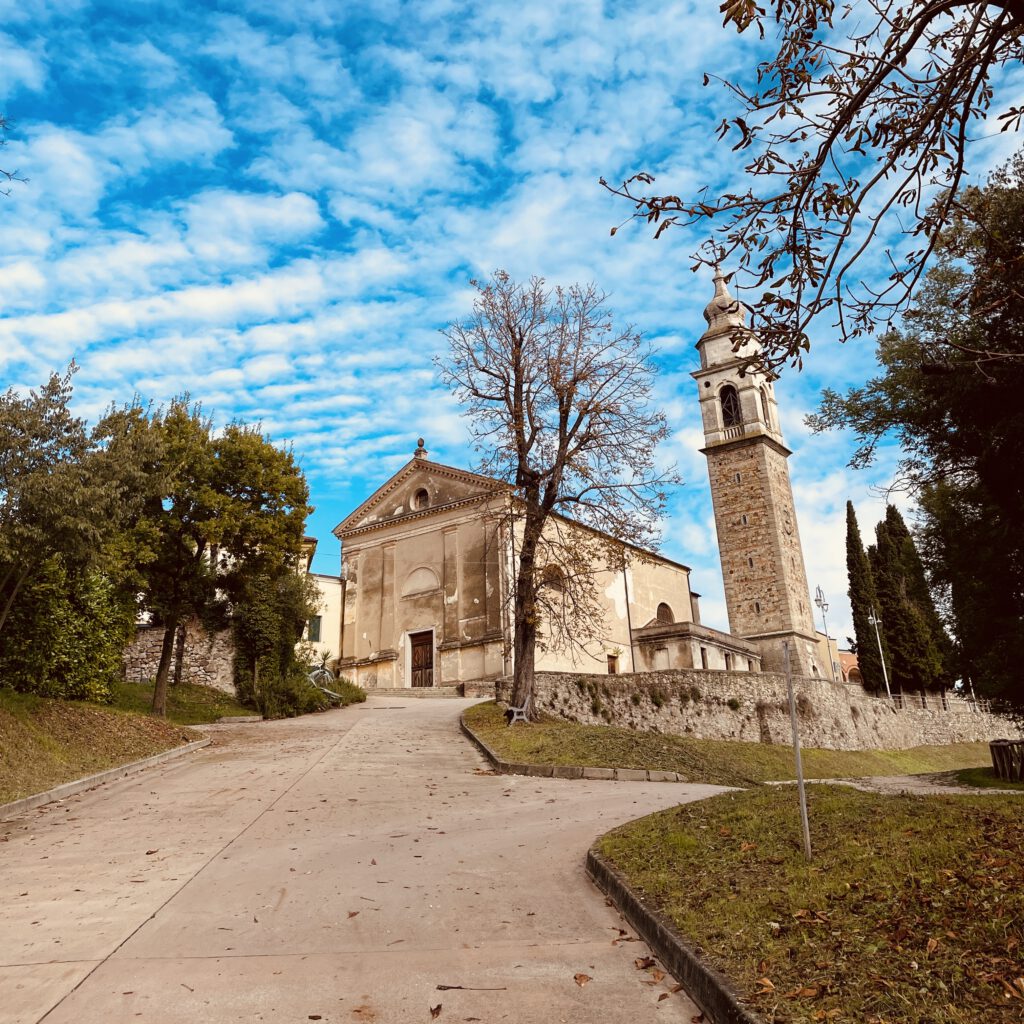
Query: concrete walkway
[[338, 867]]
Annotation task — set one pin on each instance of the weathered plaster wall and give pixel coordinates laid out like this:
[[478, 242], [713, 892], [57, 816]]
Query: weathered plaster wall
[[754, 707], [209, 658]]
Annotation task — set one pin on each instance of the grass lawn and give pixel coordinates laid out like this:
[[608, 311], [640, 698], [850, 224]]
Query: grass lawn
[[985, 778], [912, 910], [187, 703], [44, 743], [723, 762]]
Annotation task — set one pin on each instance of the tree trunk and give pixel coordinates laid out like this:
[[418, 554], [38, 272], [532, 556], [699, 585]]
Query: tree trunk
[[163, 671], [524, 645], [179, 653], [256, 686], [22, 576]]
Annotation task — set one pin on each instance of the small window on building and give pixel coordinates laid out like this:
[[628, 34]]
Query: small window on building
[[744, 520], [421, 499], [757, 606], [764, 408], [313, 630], [613, 664], [665, 613], [731, 414], [736, 478], [750, 664], [728, 662], [750, 562], [703, 657]]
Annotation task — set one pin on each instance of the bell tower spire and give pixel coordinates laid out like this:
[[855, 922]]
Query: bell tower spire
[[763, 571]]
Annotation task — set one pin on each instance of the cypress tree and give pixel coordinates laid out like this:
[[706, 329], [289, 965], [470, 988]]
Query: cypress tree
[[920, 595], [862, 600], [915, 662]]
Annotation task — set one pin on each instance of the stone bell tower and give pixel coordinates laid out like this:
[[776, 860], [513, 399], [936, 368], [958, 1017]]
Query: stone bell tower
[[762, 563]]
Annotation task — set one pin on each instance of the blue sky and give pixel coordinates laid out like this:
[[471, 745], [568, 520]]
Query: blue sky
[[276, 207]]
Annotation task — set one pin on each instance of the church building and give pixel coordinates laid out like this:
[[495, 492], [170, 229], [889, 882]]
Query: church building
[[423, 599]]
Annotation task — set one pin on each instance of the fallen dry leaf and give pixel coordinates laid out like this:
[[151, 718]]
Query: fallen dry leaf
[[352, 913], [435, 1012], [643, 962], [698, 1019], [581, 979], [664, 995]]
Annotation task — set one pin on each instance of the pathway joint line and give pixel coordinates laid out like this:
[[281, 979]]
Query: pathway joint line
[[28, 803], [708, 988]]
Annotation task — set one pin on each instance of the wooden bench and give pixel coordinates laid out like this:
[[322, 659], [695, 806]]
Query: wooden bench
[[1008, 759]]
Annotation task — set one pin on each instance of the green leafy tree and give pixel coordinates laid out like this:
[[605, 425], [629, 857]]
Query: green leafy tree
[[863, 601], [270, 615], [230, 507], [974, 558], [949, 394]]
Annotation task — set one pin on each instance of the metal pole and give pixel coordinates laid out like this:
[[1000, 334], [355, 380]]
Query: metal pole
[[796, 751], [885, 674], [819, 600]]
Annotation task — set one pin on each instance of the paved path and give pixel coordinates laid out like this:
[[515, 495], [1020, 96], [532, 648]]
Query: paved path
[[337, 867]]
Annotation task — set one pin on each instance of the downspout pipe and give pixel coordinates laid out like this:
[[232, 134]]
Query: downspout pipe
[[629, 617]]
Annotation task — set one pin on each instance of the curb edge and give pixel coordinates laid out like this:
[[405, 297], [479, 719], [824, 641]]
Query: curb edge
[[27, 803], [707, 987]]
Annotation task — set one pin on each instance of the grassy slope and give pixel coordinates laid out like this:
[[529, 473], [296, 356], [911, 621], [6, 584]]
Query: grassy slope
[[912, 910], [187, 704], [726, 762], [44, 743]]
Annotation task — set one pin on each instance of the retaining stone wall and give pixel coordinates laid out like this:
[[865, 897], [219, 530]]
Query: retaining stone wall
[[754, 706], [209, 658]]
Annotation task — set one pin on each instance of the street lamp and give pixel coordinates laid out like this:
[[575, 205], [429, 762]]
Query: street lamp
[[876, 622], [819, 600]]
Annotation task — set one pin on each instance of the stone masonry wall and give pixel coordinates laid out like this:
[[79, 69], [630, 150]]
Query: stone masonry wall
[[208, 658], [754, 707]]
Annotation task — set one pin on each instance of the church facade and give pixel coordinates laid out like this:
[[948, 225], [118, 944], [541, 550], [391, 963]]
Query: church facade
[[423, 600]]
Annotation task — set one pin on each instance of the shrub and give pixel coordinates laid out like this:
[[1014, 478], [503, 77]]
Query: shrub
[[348, 691], [635, 698], [695, 694], [733, 703], [657, 698], [66, 634]]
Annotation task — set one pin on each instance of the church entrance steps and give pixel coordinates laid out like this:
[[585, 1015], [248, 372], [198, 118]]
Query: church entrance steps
[[415, 691]]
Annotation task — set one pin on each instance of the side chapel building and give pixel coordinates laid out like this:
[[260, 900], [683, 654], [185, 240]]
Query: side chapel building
[[427, 560]]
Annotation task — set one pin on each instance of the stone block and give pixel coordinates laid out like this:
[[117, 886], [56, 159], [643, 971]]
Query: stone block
[[657, 776], [567, 771], [541, 771], [631, 775], [599, 773]]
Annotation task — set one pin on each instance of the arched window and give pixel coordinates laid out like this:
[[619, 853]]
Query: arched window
[[421, 499], [552, 577], [764, 408], [665, 613], [731, 414]]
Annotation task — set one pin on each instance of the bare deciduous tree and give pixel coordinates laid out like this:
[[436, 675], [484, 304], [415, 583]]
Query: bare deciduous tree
[[559, 400], [858, 127]]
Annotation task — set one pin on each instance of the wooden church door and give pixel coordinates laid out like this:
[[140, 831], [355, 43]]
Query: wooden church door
[[422, 645]]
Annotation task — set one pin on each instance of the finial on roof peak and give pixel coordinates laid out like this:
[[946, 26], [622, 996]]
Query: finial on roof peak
[[421, 452], [722, 304]]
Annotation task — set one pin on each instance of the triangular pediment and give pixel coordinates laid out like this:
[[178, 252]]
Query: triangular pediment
[[419, 489]]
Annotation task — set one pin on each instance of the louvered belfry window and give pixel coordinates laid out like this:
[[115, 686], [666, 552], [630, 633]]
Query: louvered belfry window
[[731, 414]]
